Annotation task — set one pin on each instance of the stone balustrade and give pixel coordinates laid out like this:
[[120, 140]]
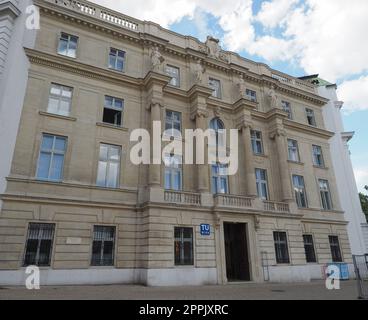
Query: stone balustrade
[[226, 200], [271, 206], [181, 197], [99, 12]]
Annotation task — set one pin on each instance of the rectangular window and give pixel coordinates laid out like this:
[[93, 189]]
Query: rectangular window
[[173, 172], [324, 190], [184, 246], [335, 249], [251, 95], [310, 253], [215, 85], [300, 192], [293, 150], [51, 160], [173, 123], [311, 117], [108, 174], [287, 108], [318, 156], [68, 45], [262, 184], [60, 100], [113, 111], [174, 73], [257, 144], [117, 59], [39, 243], [281, 247], [220, 180], [103, 246]]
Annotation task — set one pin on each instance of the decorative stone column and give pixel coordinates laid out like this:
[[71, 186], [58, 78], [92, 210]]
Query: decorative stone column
[[198, 96], [279, 136], [244, 124], [154, 84], [249, 167]]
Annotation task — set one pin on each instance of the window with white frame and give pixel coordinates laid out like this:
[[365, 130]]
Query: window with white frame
[[287, 108], [220, 179], [108, 174], [324, 190], [39, 244], [215, 85], [172, 123], [184, 255], [311, 118], [262, 184], [117, 59], [68, 45], [174, 73], [318, 156], [300, 192], [293, 150], [51, 159], [173, 172], [60, 99], [251, 95], [113, 111], [103, 246], [257, 144]]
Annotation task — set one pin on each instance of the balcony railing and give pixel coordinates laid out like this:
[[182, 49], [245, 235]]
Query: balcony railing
[[283, 78], [226, 200], [98, 12], [281, 207], [181, 197]]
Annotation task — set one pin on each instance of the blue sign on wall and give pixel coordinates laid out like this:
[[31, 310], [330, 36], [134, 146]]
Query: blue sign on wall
[[205, 230]]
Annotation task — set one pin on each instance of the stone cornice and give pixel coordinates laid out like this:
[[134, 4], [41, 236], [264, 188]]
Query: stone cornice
[[156, 78], [199, 91], [308, 129], [84, 70], [146, 39], [9, 8]]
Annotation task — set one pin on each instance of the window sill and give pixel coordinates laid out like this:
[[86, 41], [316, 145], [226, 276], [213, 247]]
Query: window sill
[[296, 162], [116, 70], [320, 167], [111, 126], [261, 155], [57, 116], [67, 57]]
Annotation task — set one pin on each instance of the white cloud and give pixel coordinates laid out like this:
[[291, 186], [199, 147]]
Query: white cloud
[[325, 37], [355, 94], [273, 13], [361, 176]]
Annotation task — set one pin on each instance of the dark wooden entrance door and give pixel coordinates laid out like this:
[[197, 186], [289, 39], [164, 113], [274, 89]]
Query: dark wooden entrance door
[[236, 249]]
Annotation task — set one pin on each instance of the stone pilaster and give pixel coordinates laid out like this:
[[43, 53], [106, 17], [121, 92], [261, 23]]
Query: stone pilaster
[[279, 136], [154, 85], [8, 13], [199, 113]]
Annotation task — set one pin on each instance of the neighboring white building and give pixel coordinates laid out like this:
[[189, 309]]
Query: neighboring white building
[[13, 76], [346, 184]]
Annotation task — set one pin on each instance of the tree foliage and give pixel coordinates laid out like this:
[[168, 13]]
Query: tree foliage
[[364, 202]]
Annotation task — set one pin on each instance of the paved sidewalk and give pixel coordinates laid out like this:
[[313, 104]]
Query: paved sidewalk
[[250, 291]]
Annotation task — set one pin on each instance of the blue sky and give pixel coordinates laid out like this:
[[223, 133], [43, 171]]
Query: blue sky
[[297, 37]]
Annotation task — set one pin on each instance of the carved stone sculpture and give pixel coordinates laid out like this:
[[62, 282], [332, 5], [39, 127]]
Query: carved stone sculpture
[[199, 71], [156, 59], [242, 87], [273, 97]]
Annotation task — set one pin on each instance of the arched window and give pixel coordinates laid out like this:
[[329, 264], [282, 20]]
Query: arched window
[[216, 124]]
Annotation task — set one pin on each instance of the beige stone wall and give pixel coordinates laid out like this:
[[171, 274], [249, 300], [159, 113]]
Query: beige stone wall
[[145, 230]]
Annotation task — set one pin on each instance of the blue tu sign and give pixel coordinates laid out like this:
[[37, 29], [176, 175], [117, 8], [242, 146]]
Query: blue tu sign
[[205, 230]]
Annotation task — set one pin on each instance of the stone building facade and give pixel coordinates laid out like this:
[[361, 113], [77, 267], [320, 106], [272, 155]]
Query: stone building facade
[[77, 206]]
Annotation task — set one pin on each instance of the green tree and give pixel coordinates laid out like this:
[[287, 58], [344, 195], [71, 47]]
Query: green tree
[[364, 202]]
